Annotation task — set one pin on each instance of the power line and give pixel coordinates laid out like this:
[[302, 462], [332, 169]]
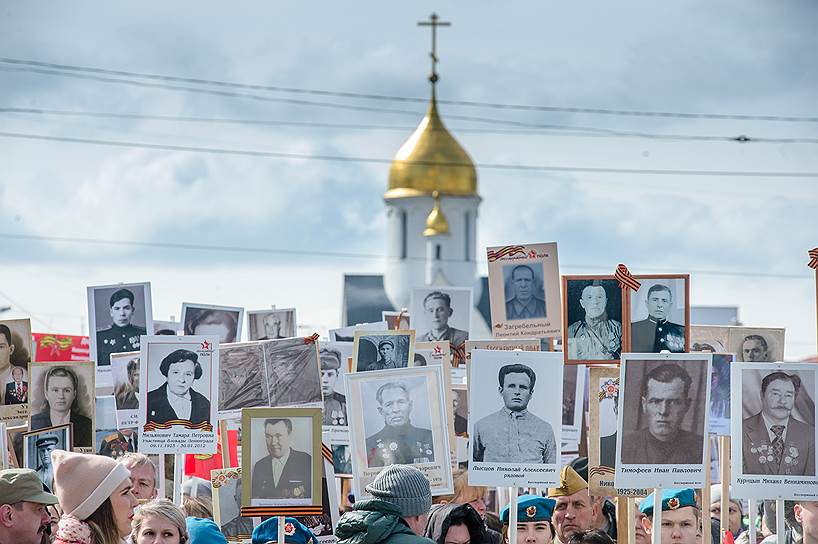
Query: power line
[[343, 255], [573, 131], [378, 160], [370, 96]]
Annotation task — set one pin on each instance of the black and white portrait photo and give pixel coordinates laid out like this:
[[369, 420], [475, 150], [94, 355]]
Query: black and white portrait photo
[[573, 391], [659, 315], [16, 352], [347, 334], [709, 338], [399, 416], [118, 315], [281, 458], [333, 357], [207, 319], [518, 421], [342, 460], [37, 448], [178, 393], [719, 421], [226, 486], [64, 393], [593, 310], [756, 345], [323, 525], [602, 412], [242, 383], [524, 289], [382, 350], [271, 324], [112, 441], [293, 372], [167, 328], [663, 417], [442, 313], [125, 373]]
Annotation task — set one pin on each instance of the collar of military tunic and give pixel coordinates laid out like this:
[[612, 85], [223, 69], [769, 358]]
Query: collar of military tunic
[[657, 321], [516, 414]]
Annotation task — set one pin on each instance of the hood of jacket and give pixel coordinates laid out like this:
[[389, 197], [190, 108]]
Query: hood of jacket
[[371, 521], [440, 519]]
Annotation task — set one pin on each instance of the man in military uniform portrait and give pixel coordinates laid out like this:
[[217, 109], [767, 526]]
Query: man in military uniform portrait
[[596, 336], [122, 335], [512, 434], [528, 300], [118, 443], [398, 441], [335, 404], [386, 356], [437, 309], [45, 471], [285, 473], [773, 441], [665, 399], [656, 333]]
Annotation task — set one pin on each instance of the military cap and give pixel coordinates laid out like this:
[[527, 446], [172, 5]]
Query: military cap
[[570, 483], [672, 499], [383, 342], [330, 359], [23, 485], [294, 532], [531, 508], [47, 441]]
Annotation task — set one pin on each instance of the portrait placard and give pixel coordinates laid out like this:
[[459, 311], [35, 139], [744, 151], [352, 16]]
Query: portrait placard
[[573, 393], [460, 405], [709, 338], [399, 416], [242, 382], [382, 350], [719, 420], [756, 344], [593, 313], [662, 420], [110, 441], [347, 334], [333, 358], [498, 344], [524, 288], [515, 430], [125, 373], [293, 372], [118, 315], [226, 486], [323, 525], [273, 324], [14, 439], [396, 320], [208, 319], [660, 314], [442, 313], [437, 354], [178, 393], [342, 460], [288, 439], [167, 328], [65, 390], [16, 351], [773, 431], [37, 448]]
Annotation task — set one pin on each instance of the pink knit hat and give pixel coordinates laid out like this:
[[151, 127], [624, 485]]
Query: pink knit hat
[[83, 481]]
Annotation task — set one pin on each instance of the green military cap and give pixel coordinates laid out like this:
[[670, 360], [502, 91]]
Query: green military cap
[[22, 484]]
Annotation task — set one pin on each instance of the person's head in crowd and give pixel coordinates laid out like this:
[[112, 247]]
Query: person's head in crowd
[[122, 307], [804, 515], [575, 509], [438, 308], [143, 474], [197, 507], [534, 514], [680, 516], [593, 536], [455, 524], [778, 393], [158, 521], [665, 400], [640, 536], [736, 525], [220, 323], [580, 466], [95, 496], [295, 532], [330, 369], [204, 531], [754, 349], [473, 495], [407, 488], [24, 517], [61, 388], [394, 404]]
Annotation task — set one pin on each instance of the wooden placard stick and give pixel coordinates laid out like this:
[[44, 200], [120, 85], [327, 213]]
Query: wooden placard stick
[[706, 500], [724, 460]]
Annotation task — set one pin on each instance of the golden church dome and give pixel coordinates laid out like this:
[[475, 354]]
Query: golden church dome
[[431, 160], [436, 222]]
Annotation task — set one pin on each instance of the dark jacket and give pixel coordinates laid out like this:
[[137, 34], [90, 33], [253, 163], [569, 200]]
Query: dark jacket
[[440, 519], [81, 428], [375, 521], [11, 393], [160, 411], [295, 481]]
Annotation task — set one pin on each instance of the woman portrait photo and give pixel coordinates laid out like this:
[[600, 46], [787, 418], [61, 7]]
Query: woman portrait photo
[[222, 321], [61, 405], [126, 392], [176, 400]]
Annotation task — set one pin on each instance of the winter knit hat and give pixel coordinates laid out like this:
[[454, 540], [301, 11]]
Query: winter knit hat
[[83, 481], [404, 486]]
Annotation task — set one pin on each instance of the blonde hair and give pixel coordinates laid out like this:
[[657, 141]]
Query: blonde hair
[[463, 492], [197, 507], [161, 508]]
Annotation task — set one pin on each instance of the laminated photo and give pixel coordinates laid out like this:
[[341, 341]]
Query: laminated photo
[[16, 350], [125, 373], [333, 357], [593, 313], [64, 393], [208, 319], [442, 313], [660, 314], [382, 350], [756, 344], [272, 324]]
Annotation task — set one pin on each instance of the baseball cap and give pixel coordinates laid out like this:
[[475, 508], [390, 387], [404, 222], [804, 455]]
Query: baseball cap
[[22, 484]]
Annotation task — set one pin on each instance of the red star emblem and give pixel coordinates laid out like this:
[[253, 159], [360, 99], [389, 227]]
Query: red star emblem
[[437, 349], [532, 254], [289, 529], [673, 503], [205, 344]]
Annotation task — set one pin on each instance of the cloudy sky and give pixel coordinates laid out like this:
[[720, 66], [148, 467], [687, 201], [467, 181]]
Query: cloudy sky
[[743, 238]]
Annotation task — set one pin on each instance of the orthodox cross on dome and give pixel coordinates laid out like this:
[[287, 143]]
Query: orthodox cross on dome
[[434, 23]]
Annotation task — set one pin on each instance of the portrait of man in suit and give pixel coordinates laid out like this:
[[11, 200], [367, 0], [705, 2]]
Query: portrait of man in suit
[[285, 473], [176, 400], [17, 390], [773, 441], [528, 301]]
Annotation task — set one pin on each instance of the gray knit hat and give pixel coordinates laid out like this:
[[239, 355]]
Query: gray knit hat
[[404, 486]]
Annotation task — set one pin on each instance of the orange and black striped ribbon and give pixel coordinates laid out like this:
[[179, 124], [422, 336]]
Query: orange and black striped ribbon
[[203, 426], [403, 312], [506, 251], [313, 338], [813, 258], [326, 452], [458, 354], [261, 511], [601, 470], [625, 278]]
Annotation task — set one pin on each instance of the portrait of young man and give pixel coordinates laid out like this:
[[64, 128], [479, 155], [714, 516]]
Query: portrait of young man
[[657, 331], [442, 315], [121, 315]]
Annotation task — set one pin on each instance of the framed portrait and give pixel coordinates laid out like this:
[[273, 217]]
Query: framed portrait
[[242, 382], [226, 486], [208, 319], [593, 313], [460, 407], [111, 441], [498, 344], [773, 430], [524, 289], [67, 390], [167, 328], [756, 344], [516, 429], [37, 448], [399, 416], [333, 357], [342, 460], [663, 420], [293, 372], [709, 338], [573, 395], [719, 420], [442, 313], [287, 438], [118, 315], [382, 350], [347, 334], [273, 324], [125, 373], [178, 394], [16, 350], [660, 314], [323, 525], [396, 320], [437, 354], [14, 439]]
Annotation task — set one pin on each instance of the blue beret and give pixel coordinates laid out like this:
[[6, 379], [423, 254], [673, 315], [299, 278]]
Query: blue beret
[[672, 499], [204, 531], [531, 508], [294, 532]]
